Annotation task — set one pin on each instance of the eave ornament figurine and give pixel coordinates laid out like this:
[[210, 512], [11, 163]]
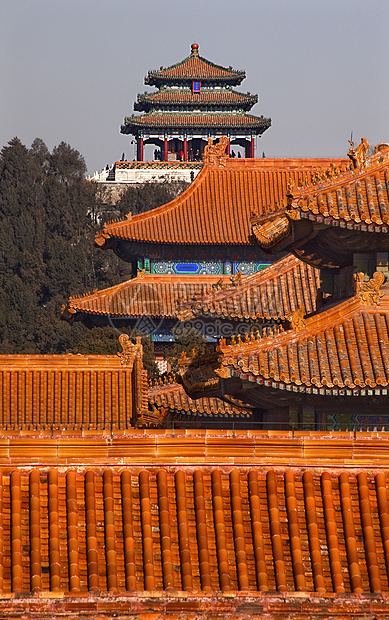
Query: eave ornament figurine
[[368, 292], [216, 153], [358, 155]]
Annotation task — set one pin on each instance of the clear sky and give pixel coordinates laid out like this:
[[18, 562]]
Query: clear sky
[[71, 69]]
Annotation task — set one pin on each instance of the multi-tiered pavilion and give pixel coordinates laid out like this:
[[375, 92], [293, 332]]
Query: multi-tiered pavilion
[[195, 102]]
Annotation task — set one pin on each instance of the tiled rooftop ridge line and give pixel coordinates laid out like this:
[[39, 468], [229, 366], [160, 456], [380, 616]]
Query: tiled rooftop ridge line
[[70, 392], [193, 120], [199, 447], [375, 164], [247, 186], [332, 349], [274, 292], [172, 400], [207, 98], [359, 197], [156, 550], [146, 295]]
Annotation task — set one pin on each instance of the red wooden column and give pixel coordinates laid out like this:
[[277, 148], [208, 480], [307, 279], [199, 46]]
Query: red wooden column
[[185, 149], [165, 150], [139, 145], [252, 154], [229, 147]]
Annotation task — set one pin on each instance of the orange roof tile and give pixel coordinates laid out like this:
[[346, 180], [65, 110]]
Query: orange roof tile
[[179, 406], [70, 392], [146, 295], [356, 200], [206, 98], [336, 349], [233, 532], [194, 121], [272, 293], [339, 351], [217, 207], [195, 67]]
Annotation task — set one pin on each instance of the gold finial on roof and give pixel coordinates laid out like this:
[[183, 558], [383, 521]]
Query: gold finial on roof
[[194, 49]]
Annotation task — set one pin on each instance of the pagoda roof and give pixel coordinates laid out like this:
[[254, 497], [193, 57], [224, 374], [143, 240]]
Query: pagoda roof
[[195, 67], [69, 392], [340, 351], [356, 200], [274, 292], [171, 400], [153, 295], [156, 120], [217, 207], [185, 98]]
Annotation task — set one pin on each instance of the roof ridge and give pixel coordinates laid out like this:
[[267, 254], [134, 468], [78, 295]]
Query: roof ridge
[[163, 208], [311, 325], [377, 162]]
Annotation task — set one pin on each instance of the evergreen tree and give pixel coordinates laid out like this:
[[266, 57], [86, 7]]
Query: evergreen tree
[[47, 252], [138, 198]]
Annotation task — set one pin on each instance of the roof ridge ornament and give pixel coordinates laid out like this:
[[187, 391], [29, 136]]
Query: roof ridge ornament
[[130, 350], [369, 292], [214, 154], [359, 155], [297, 319]]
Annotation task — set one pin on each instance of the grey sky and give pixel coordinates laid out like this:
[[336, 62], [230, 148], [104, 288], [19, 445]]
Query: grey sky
[[71, 69]]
